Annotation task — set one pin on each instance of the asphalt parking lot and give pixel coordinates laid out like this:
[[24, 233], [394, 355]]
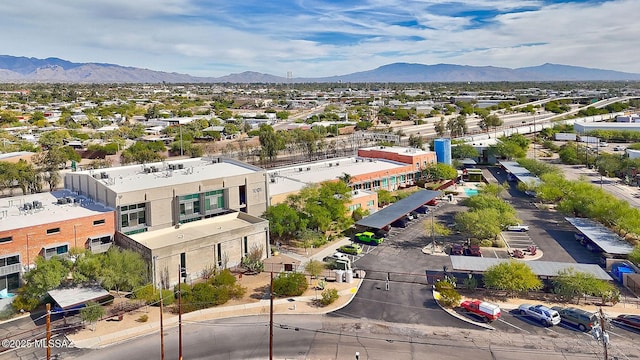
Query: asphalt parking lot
[[409, 298]]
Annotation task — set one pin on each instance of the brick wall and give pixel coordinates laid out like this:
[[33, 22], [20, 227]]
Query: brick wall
[[74, 232]]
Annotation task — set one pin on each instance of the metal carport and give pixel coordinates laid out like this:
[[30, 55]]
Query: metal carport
[[395, 211], [602, 237], [547, 269]]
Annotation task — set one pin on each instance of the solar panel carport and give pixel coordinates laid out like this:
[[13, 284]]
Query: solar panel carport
[[605, 239], [548, 269], [397, 210]]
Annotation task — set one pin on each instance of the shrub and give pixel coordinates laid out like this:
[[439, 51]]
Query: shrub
[[143, 318], [449, 298], [291, 284], [329, 296], [499, 243], [223, 278], [486, 243], [151, 296]]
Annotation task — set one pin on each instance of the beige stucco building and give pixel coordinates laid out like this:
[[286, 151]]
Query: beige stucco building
[[168, 210]]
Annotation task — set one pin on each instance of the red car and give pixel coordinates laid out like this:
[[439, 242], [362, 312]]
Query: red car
[[632, 321], [473, 250]]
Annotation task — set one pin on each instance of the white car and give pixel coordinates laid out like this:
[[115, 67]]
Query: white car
[[518, 227], [545, 315]]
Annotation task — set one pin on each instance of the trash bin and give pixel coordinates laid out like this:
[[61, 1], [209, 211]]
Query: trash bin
[[339, 275], [348, 277]]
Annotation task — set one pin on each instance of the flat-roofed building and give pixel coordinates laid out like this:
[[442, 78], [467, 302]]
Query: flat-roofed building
[[167, 209], [421, 159], [47, 225], [162, 194], [221, 241], [365, 174]]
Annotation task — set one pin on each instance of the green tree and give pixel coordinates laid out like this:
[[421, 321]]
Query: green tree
[[385, 197], [440, 127], [480, 224], [123, 270], [91, 313], [571, 284], [416, 141], [634, 255], [47, 275], [511, 276], [463, 151], [290, 284], [284, 221], [268, 142]]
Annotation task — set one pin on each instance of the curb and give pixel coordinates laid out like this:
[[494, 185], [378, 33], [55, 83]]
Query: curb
[[458, 316], [148, 329]]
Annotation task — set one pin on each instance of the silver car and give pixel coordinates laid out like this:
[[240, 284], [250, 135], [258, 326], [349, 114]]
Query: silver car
[[545, 315]]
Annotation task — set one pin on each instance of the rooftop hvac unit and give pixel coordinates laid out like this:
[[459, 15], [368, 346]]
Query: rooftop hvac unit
[[104, 175], [308, 169], [180, 166], [273, 180], [147, 170], [330, 164], [62, 201], [69, 200], [27, 206], [172, 167], [299, 169], [337, 164]]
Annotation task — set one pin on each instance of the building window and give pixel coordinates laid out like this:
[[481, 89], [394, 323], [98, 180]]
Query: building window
[[58, 250], [245, 244], [417, 165], [53, 231], [219, 253], [213, 200], [9, 260], [370, 202], [6, 239], [99, 222], [133, 216]]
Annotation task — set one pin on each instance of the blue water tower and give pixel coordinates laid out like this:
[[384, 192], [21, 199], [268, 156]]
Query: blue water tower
[[443, 150]]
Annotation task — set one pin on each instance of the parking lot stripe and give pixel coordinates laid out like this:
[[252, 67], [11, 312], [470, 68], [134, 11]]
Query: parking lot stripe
[[510, 324]]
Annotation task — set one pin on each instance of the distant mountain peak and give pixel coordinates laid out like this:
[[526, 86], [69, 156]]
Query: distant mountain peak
[[52, 69]]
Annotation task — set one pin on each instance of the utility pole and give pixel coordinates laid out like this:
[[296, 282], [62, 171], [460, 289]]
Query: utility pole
[[48, 331], [271, 318], [179, 312], [161, 328], [600, 334], [181, 149]]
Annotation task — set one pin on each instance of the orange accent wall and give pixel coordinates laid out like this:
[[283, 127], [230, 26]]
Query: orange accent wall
[[37, 237], [407, 158]]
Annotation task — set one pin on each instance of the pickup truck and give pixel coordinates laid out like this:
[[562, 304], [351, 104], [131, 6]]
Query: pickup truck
[[518, 227], [487, 310]]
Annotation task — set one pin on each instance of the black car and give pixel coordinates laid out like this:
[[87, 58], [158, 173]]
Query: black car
[[456, 249], [400, 223]]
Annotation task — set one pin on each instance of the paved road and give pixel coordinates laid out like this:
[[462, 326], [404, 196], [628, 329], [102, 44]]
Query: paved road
[[325, 337]]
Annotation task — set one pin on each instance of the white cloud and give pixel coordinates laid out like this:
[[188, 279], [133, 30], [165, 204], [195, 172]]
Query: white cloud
[[180, 35]]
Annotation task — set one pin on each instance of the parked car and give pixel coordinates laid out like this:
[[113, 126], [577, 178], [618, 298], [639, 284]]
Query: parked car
[[422, 209], [545, 315], [484, 309], [632, 321], [473, 250], [618, 148], [368, 237], [604, 144], [456, 249], [410, 217], [352, 249], [400, 223], [518, 227], [432, 202], [583, 319]]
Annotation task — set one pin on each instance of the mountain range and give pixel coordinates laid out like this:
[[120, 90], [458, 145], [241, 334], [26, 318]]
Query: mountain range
[[53, 70]]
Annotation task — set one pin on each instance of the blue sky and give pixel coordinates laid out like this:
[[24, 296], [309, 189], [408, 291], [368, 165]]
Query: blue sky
[[312, 38]]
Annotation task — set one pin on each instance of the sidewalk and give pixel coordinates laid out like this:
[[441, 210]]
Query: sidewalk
[[302, 305], [109, 333]]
